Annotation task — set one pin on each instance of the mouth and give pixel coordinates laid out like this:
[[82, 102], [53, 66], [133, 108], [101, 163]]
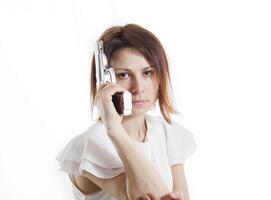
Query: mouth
[[139, 101]]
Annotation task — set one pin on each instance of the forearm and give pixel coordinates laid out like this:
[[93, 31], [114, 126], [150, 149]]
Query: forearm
[[142, 175]]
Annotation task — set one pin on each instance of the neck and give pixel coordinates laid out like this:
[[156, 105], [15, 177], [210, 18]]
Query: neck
[[135, 126]]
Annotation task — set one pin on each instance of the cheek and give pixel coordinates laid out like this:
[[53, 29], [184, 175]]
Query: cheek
[[124, 84], [152, 87]]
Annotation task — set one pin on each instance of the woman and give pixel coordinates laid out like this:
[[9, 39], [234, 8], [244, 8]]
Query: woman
[[139, 155]]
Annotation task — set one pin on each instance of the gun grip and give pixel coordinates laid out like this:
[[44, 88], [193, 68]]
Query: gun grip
[[118, 102]]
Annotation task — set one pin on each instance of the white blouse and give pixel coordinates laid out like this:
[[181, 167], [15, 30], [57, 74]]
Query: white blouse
[[165, 145]]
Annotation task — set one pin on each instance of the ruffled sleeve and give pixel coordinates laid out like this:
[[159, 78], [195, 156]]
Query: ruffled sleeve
[[93, 152], [180, 143]]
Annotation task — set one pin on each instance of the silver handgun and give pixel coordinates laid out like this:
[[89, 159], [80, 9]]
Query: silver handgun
[[121, 100]]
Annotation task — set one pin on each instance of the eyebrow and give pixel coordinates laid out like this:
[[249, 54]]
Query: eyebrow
[[131, 70]]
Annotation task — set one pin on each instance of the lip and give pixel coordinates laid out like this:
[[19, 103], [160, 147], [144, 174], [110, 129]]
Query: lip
[[140, 101]]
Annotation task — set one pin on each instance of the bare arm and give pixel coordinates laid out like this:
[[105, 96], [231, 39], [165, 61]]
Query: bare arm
[[141, 175], [179, 180], [180, 189]]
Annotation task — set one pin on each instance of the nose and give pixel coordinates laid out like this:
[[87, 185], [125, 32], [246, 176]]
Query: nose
[[137, 86]]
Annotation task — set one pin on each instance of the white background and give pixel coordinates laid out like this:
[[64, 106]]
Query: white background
[[220, 59]]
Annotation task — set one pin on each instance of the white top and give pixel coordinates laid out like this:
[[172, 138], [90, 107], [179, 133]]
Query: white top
[[165, 145]]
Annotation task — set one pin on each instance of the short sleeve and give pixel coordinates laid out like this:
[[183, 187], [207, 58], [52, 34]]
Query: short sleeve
[[180, 143], [93, 152]]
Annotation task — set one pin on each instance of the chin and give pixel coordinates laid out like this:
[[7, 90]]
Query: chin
[[137, 112]]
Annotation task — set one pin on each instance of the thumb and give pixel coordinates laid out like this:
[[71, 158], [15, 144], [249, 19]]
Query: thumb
[[178, 195]]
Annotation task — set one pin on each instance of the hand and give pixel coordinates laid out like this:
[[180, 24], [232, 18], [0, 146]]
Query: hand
[[169, 196], [103, 100]]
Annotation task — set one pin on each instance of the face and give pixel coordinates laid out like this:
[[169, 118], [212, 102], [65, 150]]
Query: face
[[134, 73]]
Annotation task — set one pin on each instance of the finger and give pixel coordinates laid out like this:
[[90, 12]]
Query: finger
[[166, 197], [177, 195], [148, 197], [171, 196], [145, 197], [102, 91], [153, 197], [181, 195], [102, 85], [112, 88]]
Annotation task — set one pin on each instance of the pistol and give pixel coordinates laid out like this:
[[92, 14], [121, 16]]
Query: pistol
[[121, 100]]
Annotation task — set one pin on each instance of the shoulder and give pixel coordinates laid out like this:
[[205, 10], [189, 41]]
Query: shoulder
[[95, 131], [157, 122], [95, 140], [82, 142], [175, 128], [160, 122], [96, 128], [93, 151]]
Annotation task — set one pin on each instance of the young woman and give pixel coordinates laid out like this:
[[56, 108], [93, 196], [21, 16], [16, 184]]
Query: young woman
[[139, 155]]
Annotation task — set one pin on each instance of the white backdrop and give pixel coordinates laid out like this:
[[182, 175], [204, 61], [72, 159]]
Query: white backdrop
[[219, 54]]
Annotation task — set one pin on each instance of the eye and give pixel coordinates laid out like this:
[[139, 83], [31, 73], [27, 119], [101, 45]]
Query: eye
[[148, 73], [122, 75]]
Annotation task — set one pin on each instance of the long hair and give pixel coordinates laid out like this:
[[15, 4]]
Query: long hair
[[145, 42]]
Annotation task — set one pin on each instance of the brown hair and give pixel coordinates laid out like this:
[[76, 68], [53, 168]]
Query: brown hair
[[145, 42]]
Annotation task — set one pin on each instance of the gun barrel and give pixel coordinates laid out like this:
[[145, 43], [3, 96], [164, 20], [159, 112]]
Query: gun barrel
[[100, 64]]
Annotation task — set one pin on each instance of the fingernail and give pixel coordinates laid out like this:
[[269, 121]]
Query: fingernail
[[145, 197], [175, 194], [179, 194]]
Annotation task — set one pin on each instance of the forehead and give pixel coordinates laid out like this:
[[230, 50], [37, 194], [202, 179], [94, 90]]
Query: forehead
[[128, 58]]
